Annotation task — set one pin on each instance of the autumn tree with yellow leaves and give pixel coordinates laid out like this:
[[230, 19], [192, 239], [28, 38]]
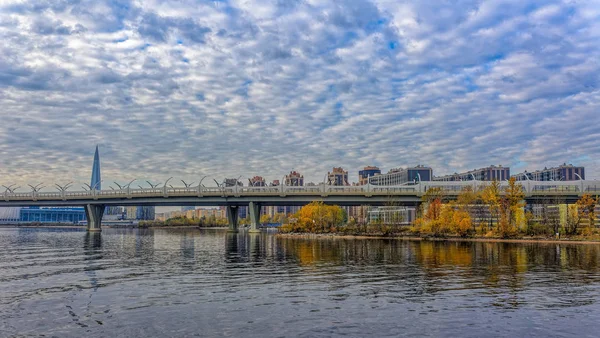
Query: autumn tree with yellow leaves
[[317, 217]]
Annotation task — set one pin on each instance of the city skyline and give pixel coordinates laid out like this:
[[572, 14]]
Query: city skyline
[[229, 88]]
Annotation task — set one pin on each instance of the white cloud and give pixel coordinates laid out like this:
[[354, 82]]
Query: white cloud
[[174, 88]]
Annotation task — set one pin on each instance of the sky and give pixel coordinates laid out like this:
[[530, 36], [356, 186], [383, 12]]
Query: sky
[[242, 88]]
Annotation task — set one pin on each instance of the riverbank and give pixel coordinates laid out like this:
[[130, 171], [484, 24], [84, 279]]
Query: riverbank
[[66, 226], [543, 240]]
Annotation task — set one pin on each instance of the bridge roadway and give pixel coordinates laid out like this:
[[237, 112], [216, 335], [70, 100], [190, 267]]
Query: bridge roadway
[[95, 201]]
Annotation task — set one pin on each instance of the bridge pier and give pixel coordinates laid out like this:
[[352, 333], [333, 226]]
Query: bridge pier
[[232, 217], [254, 216], [94, 213]]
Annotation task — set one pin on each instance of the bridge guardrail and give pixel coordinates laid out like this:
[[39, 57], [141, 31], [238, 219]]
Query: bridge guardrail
[[531, 188]]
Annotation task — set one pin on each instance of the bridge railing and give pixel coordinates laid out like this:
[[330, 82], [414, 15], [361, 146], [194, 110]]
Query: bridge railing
[[533, 188]]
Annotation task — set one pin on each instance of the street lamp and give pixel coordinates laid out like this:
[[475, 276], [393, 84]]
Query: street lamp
[[581, 180], [200, 186], [186, 184], [63, 188], [165, 186], [153, 186], [10, 188]]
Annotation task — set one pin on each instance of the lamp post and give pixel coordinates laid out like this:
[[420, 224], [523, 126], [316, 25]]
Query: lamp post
[[474, 182], [581, 180], [200, 186], [35, 189], [128, 187], [153, 186], [63, 188], [187, 185], [165, 186]]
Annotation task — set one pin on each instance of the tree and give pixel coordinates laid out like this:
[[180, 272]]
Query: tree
[[511, 205], [265, 219], [316, 217], [491, 197], [573, 219], [470, 201], [586, 206]]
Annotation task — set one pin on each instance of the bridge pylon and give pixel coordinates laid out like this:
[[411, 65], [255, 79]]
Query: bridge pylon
[[254, 216], [94, 213], [232, 217]]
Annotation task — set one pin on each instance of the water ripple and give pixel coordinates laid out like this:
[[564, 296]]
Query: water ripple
[[210, 283]]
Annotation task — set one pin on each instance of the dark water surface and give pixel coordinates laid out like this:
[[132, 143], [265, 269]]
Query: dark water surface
[[180, 283]]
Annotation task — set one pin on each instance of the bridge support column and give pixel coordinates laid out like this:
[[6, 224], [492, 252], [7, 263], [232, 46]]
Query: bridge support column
[[232, 217], [94, 213], [254, 216]]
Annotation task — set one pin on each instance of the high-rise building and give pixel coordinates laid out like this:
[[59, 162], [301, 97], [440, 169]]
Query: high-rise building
[[401, 176], [369, 171], [294, 179], [257, 181], [230, 182], [141, 212], [111, 210], [564, 172], [491, 173], [96, 181], [338, 176], [187, 207]]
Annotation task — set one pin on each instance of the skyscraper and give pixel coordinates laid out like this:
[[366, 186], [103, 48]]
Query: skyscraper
[[96, 179]]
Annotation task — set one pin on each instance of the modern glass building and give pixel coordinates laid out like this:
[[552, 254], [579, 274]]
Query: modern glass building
[[9, 215], [52, 215]]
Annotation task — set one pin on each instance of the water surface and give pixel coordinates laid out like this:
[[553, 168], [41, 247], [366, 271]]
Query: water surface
[[188, 282]]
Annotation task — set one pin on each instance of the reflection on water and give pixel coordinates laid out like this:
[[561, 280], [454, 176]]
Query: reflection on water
[[182, 282]]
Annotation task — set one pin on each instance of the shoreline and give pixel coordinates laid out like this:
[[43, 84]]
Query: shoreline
[[312, 236], [65, 226]]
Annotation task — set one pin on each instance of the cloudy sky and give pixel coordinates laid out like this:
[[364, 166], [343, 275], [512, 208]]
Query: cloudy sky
[[226, 88]]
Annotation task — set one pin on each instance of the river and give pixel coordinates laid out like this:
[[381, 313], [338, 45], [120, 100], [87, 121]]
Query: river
[[190, 282]]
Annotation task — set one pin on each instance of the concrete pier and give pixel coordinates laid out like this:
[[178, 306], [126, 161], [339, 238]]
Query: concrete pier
[[94, 213], [254, 209], [232, 217]]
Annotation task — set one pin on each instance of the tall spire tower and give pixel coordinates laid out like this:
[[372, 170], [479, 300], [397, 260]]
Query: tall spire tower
[[95, 183]]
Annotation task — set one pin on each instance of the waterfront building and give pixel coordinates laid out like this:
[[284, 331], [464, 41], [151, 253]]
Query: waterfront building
[[564, 172], [230, 182], [257, 181], [396, 215], [10, 214], [368, 171], [218, 213], [491, 173], [114, 211], [338, 176], [52, 215], [400, 176], [187, 207], [294, 179], [161, 216], [140, 212], [191, 214]]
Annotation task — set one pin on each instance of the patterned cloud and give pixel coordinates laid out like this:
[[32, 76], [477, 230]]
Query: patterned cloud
[[228, 88]]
